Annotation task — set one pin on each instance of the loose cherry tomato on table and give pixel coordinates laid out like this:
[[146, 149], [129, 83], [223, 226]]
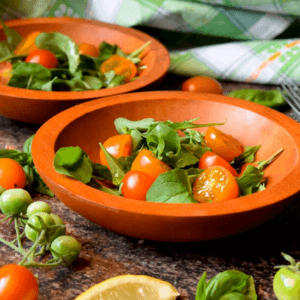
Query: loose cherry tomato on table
[[12, 174], [202, 84], [42, 57], [118, 146], [17, 283], [215, 184], [146, 162], [121, 65], [210, 159], [136, 185], [5, 72], [88, 49], [223, 144]]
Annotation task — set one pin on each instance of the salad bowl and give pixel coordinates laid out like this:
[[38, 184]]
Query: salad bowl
[[36, 106], [252, 124]]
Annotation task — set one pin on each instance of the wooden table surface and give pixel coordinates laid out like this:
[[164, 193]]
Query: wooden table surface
[[106, 254]]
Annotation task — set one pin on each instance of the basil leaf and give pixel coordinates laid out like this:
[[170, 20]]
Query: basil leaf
[[115, 167], [28, 75], [59, 43], [232, 283], [201, 287], [272, 98], [250, 181], [171, 187], [69, 157], [82, 172]]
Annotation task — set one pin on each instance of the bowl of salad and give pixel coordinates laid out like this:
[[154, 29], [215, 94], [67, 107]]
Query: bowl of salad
[[50, 64], [171, 165]]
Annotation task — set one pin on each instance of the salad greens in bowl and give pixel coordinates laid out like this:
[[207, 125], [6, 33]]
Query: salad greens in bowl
[[50, 64], [70, 154]]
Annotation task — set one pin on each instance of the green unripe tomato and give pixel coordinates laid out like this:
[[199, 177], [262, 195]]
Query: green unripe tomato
[[66, 247], [38, 206], [286, 285], [59, 231], [34, 220], [15, 201]]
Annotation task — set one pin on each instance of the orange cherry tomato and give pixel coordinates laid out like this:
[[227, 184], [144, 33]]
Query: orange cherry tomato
[[215, 184], [12, 174], [223, 144], [118, 146], [5, 72], [27, 45], [202, 84], [210, 159], [146, 162], [17, 283], [121, 66], [42, 57], [136, 185], [88, 49]]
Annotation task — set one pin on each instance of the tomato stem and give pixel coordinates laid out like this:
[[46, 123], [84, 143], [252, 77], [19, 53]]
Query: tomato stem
[[19, 237]]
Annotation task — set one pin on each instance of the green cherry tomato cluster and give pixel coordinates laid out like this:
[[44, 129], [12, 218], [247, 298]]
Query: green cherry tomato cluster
[[36, 222]]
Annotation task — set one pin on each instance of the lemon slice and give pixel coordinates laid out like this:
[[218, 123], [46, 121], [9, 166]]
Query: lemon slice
[[131, 287]]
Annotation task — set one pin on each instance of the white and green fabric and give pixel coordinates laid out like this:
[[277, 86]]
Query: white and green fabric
[[252, 55]]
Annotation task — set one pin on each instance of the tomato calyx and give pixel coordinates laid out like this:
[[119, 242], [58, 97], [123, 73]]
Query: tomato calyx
[[294, 266]]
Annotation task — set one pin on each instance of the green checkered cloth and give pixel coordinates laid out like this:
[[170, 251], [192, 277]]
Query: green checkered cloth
[[249, 52]]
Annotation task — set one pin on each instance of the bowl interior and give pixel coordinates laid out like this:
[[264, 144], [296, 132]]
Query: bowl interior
[[155, 56]]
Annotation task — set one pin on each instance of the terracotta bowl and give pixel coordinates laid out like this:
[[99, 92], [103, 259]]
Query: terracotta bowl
[[38, 106], [90, 123]]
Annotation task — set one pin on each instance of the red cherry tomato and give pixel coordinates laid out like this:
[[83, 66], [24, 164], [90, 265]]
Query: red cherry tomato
[[146, 162], [210, 159], [5, 72], [202, 84], [136, 185], [118, 146], [17, 282], [88, 49], [42, 57], [215, 184], [223, 144]]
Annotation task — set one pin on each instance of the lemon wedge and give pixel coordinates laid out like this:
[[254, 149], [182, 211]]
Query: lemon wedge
[[131, 287]]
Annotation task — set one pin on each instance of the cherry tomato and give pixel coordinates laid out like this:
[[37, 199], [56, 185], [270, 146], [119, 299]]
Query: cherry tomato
[[17, 283], [136, 185], [27, 45], [42, 57], [202, 84], [38, 206], [210, 159], [146, 162], [66, 247], [15, 201], [34, 220], [5, 72], [118, 146], [88, 49], [223, 144], [59, 231], [121, 66], [12, 174], [215, 184]]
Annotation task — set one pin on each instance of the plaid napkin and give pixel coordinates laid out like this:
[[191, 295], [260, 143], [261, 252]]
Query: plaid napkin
[[250, 50]]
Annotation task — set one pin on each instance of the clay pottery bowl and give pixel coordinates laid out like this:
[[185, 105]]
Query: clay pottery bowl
[[36, 107], [88, 124]]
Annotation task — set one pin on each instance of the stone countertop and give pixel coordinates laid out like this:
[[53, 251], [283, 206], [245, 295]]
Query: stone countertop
[[106, 254]]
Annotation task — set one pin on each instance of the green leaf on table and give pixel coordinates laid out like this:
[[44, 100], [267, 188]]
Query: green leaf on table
[[271, 98], [80, 168], [59, 43], [227, 285], [171, 187], [28, 75]]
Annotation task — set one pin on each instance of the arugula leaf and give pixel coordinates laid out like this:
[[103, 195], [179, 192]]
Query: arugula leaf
[[124, 125], [59, 43], [227, 285], [13, 38], [102, 188], [171, 187], [5, 52], [28, 75], [264, 163], [101, 172], [80, 168], [94, 83]]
